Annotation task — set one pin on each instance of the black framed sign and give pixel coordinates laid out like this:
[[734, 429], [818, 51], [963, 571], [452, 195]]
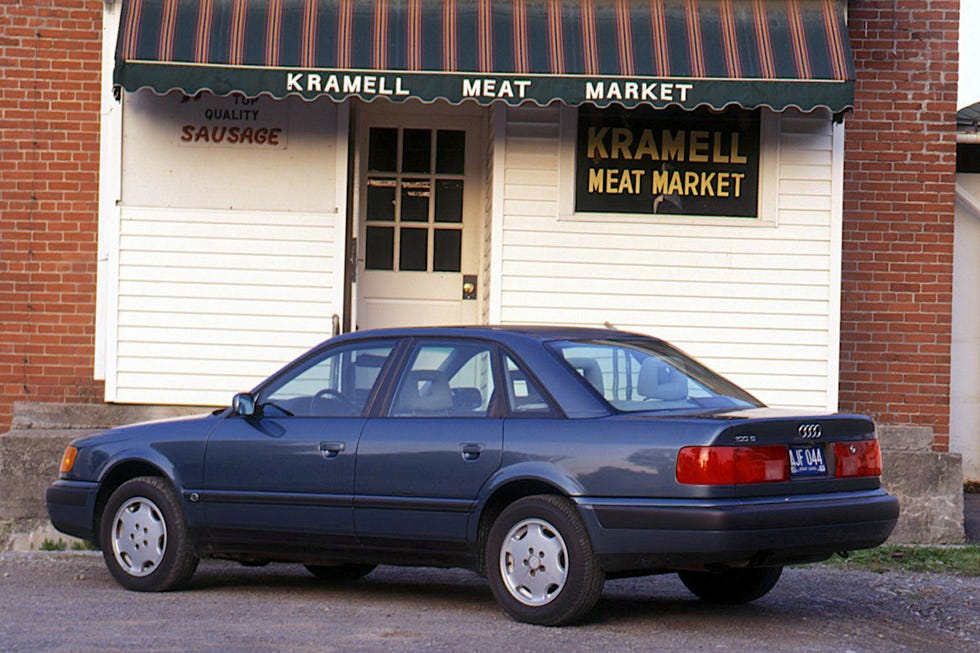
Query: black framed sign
[[647, 161]]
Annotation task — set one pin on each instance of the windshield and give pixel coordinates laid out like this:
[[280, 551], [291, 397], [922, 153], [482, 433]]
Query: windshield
[[636, 375]]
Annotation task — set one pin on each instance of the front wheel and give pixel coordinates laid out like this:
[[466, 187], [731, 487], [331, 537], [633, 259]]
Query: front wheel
[[732, 586], [540, 563], [144, 536]]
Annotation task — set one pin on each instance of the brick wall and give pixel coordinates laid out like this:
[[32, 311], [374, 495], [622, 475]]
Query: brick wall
[[899, 185], [50, 54]]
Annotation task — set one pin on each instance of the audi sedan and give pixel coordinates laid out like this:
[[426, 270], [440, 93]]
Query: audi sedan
[[547, 459]]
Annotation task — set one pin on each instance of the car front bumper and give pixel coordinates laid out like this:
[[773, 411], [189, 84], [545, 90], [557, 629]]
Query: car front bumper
[[71, 507], [637, 534]]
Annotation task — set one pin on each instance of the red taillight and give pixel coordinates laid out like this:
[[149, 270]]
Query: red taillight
[[732, 465], [858, 458]]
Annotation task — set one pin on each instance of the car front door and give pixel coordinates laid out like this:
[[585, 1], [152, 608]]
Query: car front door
[[421, 465], [289, 469]]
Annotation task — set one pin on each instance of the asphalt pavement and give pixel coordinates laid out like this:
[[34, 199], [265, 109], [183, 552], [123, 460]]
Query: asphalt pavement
[[69, 602]]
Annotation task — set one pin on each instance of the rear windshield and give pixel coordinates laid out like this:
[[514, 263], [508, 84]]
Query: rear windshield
[[638, 375]]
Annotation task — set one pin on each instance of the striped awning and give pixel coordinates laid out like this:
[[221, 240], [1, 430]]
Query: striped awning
[[687, 53]]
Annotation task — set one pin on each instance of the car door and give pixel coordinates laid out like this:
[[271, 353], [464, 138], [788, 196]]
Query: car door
[[289, 469], [421, 464]]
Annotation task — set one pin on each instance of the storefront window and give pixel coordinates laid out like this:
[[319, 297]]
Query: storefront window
[[646, 161]]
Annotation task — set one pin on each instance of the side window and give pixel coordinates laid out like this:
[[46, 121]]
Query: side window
[[337, 384], [524, 397], [631, 378], [446, 379]]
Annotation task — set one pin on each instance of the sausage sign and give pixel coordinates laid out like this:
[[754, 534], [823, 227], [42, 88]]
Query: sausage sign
[[697, 163], [233, 121]]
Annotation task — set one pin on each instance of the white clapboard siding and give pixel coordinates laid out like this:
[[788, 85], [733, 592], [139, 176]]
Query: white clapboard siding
[[754, 302], [210, 302]]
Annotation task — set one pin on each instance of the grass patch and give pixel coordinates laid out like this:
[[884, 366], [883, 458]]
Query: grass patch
[[84, 545], [960, 560], [53, 545]]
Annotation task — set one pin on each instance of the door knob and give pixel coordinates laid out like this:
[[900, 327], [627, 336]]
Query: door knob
[[469, 286]]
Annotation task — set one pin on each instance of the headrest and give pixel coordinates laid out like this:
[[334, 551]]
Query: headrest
[[589, 368], [660, 380], [425, 391]]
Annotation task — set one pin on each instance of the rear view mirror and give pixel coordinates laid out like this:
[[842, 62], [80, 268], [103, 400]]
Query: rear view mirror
[[243, 404]]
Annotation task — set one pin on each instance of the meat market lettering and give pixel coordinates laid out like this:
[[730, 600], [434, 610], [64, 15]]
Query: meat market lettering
[[669, 145], [638, 91], [494, 88], [345, 84], [688, 183]]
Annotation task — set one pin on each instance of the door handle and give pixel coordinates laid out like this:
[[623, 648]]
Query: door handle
[[470, 450], [331, 449]]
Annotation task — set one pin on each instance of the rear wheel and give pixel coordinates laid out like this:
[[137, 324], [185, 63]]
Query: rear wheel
[[540, 563], [346, 572], [144, 536], [731, 586]]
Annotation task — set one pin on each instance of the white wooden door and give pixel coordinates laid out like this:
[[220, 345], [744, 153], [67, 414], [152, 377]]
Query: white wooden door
[[420, 217]]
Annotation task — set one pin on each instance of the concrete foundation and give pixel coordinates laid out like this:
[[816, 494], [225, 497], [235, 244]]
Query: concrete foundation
[[928, 484], [30, 455]]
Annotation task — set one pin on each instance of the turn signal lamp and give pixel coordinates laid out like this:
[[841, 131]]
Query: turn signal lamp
[[858, 458], [732, 465], [68, 460]]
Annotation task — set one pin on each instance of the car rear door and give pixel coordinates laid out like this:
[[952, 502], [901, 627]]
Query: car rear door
[[421, 464]]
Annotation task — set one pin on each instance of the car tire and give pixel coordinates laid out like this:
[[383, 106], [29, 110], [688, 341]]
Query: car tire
[[144, 537], [340, 573], [732, 586], [540, 563]]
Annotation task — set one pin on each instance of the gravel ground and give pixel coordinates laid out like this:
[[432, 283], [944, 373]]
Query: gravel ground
[[68, 602]]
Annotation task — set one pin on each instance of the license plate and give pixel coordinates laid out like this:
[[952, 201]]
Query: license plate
[[806, 461]]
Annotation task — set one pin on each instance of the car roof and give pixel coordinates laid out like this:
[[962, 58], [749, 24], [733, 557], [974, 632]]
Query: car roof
[[531, 331]]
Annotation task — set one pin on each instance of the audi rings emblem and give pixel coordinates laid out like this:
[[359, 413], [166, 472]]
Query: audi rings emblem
[[810, 431]]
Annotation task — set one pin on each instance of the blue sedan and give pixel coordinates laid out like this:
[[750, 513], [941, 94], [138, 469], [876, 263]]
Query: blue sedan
[[547, 459]]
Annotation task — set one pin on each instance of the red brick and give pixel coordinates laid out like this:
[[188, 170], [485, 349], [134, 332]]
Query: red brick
[[899, 185], [51, 98]]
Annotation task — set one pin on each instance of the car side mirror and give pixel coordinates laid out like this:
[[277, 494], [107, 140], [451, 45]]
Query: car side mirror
[[243, 404]]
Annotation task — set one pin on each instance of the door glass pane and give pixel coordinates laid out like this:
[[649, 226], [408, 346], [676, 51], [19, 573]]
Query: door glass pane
[[380, 248], [381, 199], [416, 150], [382, 148], [415, 200], [337, 384], [449, 200], [446, 380], [413, 250], [450, 148], [446, 254]]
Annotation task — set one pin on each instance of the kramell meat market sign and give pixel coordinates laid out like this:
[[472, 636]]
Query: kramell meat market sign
[[455, 88], [694, 163]]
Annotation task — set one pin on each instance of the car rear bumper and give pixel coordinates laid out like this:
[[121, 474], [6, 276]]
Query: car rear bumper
[[630, 534], [71, 506]]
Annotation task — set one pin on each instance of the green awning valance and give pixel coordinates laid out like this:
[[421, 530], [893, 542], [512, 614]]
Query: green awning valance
[[687, 53]]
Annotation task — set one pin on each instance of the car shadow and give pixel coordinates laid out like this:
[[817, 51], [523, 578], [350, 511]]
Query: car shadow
[[648, 600]]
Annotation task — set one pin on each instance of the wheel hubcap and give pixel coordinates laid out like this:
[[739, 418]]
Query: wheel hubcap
[[139, 536], [534, 562]]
